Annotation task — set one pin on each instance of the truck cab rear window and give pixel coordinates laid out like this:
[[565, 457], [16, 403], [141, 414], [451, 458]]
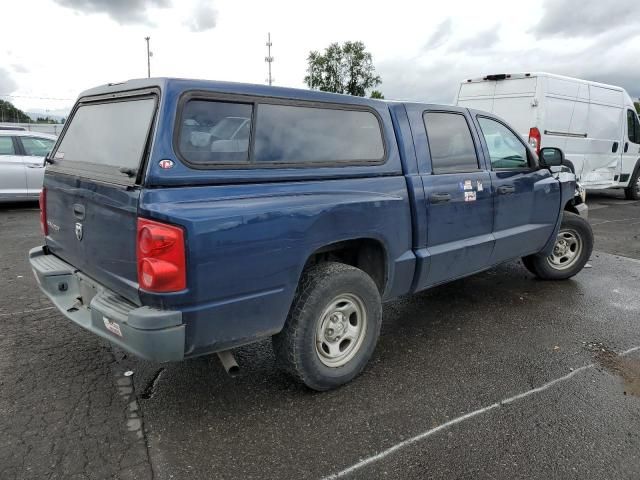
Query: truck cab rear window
[[112, 134]]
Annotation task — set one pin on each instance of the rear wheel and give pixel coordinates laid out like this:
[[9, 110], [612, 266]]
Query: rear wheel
[[571, 251], [632, 192], [332, 328]]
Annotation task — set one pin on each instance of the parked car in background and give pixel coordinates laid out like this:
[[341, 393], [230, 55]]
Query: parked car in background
[[337, 204], [22, 156], [595, 125]]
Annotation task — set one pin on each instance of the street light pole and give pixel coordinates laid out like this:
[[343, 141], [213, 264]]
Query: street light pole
[[148, 58]]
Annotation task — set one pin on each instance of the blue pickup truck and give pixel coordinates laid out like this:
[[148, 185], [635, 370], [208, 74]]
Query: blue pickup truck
[[184, 217]]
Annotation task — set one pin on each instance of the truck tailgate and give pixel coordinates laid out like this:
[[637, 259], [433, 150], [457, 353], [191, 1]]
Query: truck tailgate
[[92, 226]]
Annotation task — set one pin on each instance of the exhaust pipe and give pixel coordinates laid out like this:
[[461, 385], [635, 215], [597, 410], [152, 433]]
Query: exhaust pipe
[[229, 363]]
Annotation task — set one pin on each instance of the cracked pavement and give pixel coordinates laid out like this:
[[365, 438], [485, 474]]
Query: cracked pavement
[[67, 411], [63, 413]]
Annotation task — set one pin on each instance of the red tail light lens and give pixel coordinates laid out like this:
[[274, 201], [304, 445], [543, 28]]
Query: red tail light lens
[[42, 200], [161, 257], [535, 139]]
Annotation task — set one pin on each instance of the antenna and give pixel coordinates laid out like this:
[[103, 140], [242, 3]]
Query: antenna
[[269, 58]]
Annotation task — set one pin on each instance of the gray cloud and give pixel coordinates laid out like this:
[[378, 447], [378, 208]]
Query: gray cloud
[[579, 18], [204, 17], [122, 11], [482, 41], [610, 58], [440, 36], [7, 83], [18, 68]]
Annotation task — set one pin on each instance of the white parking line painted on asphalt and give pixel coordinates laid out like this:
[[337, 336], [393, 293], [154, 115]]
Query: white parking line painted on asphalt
[[450, 423], [26, 311]]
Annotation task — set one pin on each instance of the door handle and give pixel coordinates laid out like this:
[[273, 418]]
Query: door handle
[[506, 189], [34, 165], [614, 148], [626, 147], [78, 211], [439, 197]]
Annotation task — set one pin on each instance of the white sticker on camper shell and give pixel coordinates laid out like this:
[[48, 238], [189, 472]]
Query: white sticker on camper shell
[[113, 327]]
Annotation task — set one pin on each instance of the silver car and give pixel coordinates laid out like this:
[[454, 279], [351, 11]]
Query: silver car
[[22, 163]]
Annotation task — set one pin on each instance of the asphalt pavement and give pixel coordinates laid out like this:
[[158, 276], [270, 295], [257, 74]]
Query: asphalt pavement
[[495, 376]]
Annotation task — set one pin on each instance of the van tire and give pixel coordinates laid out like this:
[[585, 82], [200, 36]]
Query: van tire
[[302, 348], [573, 246], [632, 192]]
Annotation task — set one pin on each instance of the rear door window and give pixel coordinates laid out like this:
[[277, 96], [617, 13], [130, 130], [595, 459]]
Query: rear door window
[[450, 143], [36, 147], [304, 135]]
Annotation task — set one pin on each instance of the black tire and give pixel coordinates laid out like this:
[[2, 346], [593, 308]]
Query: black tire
[[295, 346], [573, 228], [632, 192]]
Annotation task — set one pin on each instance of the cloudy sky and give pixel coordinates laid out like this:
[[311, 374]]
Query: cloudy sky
[[50, 50]]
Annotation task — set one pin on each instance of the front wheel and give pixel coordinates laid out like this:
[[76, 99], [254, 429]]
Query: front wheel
[[632, 192], [571, 251], [332, 328]]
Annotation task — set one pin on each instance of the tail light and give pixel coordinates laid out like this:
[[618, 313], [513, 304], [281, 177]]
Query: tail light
[[161, 257], [42, 200], [535, 139]]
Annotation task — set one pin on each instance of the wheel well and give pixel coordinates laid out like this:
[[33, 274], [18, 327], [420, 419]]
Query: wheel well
[[571, 206], [366, 254]]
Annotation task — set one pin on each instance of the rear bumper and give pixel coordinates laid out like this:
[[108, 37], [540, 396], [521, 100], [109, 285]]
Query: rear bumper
[[149, 333]]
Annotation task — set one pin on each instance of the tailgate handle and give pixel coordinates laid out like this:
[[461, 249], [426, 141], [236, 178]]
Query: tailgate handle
[[78, 211]]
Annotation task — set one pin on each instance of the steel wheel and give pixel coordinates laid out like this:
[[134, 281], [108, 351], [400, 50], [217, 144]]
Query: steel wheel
[[341, 330], [566, 251]]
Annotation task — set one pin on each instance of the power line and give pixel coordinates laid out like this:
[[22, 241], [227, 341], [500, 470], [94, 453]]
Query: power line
[[35, 97]]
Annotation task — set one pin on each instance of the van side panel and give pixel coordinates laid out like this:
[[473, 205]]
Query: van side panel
[[247, 246]]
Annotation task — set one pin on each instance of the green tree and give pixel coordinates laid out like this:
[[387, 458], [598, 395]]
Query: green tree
[[9, 113], [377, 94], [346, 68]]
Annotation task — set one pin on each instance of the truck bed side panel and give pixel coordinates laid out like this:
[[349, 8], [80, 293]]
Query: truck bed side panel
[[247, 246]]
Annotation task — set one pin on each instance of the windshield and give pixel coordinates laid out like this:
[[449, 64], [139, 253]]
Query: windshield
[[108, 134]]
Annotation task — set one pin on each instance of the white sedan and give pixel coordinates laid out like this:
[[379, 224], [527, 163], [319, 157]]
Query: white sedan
[[22, 163]]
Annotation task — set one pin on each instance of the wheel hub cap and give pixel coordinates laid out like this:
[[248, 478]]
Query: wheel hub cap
[[566, 251], [341, 330]]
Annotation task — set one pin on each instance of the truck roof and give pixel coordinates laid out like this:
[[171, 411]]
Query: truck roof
[[506, 76], [181, 84]]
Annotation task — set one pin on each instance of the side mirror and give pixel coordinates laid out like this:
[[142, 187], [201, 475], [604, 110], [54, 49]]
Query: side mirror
[[551, 157]]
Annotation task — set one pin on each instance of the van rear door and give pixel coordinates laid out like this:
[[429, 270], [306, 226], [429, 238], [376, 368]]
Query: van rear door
[[92, 188]]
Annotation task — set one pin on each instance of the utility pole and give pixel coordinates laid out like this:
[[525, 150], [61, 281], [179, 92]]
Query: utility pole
[[148, 58], [269, 58]]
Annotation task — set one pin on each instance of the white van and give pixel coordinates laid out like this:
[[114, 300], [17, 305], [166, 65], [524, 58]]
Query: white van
[[596, 125]]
